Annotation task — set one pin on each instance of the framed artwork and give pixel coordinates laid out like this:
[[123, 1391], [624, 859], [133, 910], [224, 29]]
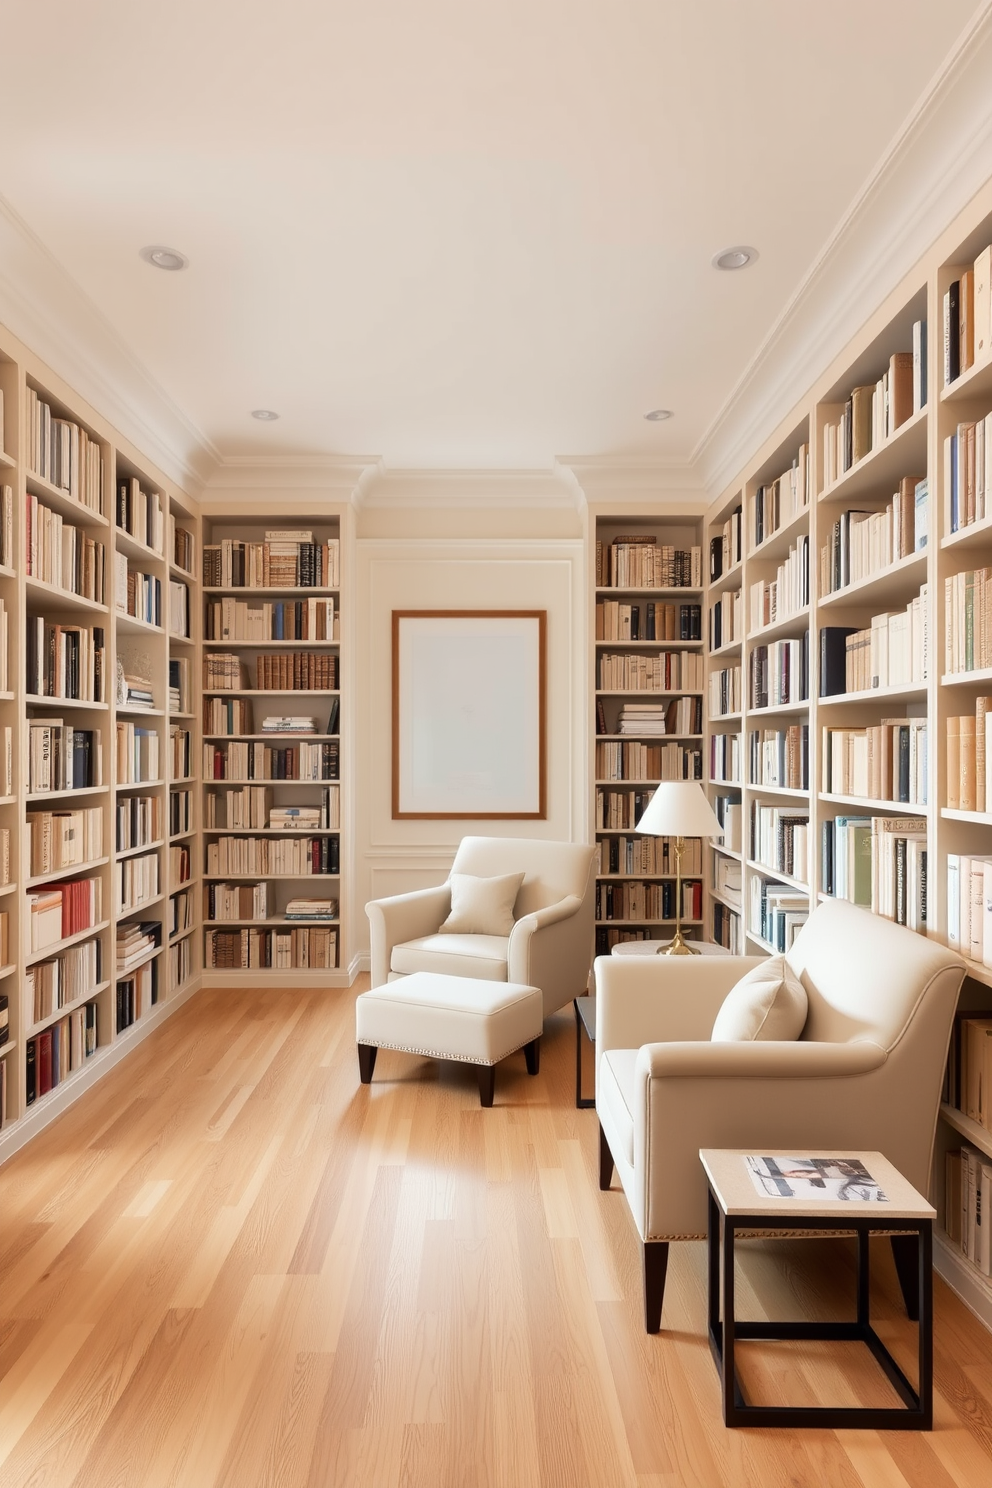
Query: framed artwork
[[469, 719]]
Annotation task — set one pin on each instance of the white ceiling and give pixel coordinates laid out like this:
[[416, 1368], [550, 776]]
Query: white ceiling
[[451, 232]]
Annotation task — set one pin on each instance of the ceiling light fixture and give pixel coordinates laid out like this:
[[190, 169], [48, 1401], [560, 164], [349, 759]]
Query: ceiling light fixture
[[734, 258], [658, 415], [164, 258], [264, 415]]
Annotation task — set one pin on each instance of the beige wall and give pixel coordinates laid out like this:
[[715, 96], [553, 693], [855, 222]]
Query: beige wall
[[480, 570]]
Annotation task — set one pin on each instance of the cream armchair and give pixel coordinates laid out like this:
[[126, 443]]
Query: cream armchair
[[550, 945], [866, 1073]]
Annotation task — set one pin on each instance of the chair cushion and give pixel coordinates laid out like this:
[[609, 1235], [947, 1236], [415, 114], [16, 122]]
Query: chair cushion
[[768, 1003], [482, 956], [481, 906], [616, 1093]]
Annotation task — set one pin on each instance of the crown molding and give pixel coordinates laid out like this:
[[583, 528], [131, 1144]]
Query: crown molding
[[251, 477], [46, 309], [422, 488], [934, 166], [619, 480]]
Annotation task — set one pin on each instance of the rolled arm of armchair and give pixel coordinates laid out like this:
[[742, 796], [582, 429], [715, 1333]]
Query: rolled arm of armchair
[[762, 1060], [546, 950], [403, 917]]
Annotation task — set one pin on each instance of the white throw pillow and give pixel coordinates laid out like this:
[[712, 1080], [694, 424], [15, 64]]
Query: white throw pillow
[[768, 1003], [481, 906]]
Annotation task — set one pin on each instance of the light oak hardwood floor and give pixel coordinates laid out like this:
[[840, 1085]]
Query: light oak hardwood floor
[[232, 1264]]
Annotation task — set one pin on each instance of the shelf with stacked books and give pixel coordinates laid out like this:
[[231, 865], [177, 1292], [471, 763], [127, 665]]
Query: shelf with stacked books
[[725, 541], [271, 763], [184, 953], [648, 686]]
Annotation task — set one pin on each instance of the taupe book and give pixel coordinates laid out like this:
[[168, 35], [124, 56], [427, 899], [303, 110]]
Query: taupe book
[[861, 399], [982, 707], [954, 764], [966, 320], [967, 794], [900, 388]]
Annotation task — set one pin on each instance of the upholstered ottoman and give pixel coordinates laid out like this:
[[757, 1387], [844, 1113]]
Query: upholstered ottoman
[[451, 1017]]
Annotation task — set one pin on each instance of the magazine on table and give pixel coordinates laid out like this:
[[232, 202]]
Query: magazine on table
[[824, 1179]]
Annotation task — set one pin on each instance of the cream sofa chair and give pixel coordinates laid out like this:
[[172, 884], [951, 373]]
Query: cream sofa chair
[[550, 945], [865, 1074]]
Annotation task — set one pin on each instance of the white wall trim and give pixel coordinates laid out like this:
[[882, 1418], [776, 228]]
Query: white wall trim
[[425, 489], [622, 479], [336, 477]]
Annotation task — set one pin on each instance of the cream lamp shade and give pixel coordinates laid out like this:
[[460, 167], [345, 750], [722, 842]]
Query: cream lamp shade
[[679, 808]]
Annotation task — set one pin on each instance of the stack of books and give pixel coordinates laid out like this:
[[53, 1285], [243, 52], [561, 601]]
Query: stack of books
[[312, 909], [139, 692], [134, 940], [289, 724], [295, 818], [642, 719]]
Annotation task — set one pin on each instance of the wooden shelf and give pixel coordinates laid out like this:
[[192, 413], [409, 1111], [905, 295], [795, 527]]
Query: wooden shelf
[[878, 588], [778, 543], [903, 453], [56, 600], [62, 502], [127, 544], [909, 692], [868, 803], [72, 871], [48, 951], [764, 871], [781, 629]]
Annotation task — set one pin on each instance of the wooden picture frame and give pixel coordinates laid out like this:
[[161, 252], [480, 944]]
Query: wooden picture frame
[[469, 714]]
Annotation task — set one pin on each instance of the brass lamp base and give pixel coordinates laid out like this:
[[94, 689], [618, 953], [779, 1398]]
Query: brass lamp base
[[679, 947]]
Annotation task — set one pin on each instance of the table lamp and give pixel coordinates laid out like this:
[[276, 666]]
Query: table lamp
[[679, 809]]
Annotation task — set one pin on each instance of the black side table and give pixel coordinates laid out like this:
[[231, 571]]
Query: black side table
[[585, 1030]]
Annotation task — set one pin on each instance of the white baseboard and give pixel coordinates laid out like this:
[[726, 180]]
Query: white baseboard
[[964, 1279]]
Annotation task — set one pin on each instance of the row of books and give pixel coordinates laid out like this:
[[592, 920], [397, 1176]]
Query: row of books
[[893, 651], [182, 914], [51, 1056], [62, 910], [140, 513], [967, 759], [182, 545], [280, 620], [178, 608], [274, 856], [284, 560], [274, 672], [55, 984], [663, 671], [135, 940], [776, 913], [874, 411], [778, 673], [968, 1205], [135, 994], [8, 555], [863, 542], [135, 593], [61, 554], [645, 563], [654, 621], [779, 757], [620, 811], [637, 761], [648, 856], [969, 905], [139, 821], [776, 503], [236, 901], [629, 900], [138, 753], [241, 809], [728, 929], [638, 720], [779, 839], [727, 545], [180, 864], [725, 758], [61, 757], [968, 621], [608, 936], [180, 753], [730, 815], [62, 839], [883, 762], [65, 661], [137, 881], [180, 694], [966, 316], [968, 474], [180, 963], [726, 620], [787, 594], [62, 453], [302, 948], [248, 761], [180, 812], [726, 692], [878, 862], [968, 1076]]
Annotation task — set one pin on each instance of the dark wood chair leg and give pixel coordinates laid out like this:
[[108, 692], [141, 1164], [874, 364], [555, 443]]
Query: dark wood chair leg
[[904, 1253], [366, 1062], [655, 1271], [487, 1083], [532, 1054], [605, 1162]]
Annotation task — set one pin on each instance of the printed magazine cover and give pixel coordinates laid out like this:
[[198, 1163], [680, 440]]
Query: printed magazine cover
[[829, 1179]]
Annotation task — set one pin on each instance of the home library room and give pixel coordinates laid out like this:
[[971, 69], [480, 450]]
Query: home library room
[[85, 532], [870, 783], [647, 689], [271, 769]]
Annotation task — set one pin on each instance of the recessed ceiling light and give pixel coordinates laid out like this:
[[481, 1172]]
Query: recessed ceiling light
[[164, 258], [264, 415], [735, 258], [658, 415]]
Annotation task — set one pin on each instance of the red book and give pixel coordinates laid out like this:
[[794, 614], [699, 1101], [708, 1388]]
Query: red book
[[45, 1062]]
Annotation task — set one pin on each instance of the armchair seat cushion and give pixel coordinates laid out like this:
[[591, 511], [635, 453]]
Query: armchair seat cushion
[[481, 956], [616, 1095]]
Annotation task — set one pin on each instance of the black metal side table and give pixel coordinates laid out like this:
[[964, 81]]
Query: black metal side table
[[585, 1031], [735, 1205]]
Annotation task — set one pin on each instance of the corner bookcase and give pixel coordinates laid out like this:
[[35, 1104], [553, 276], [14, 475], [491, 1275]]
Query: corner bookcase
[[647, 690], [868, 783]]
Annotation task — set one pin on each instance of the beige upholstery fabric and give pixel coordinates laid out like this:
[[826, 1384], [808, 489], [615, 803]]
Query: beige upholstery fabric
[[550, 945], [769, 1002], [866, 1072], [481, 906], [449, 1017]]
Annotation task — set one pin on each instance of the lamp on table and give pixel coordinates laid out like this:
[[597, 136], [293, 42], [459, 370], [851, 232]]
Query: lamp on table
[[679, 809]]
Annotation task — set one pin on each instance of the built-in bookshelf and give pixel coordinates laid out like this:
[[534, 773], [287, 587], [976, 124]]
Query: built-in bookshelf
[[648, 689], [874, 785], [271, 765], [83, 718]]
